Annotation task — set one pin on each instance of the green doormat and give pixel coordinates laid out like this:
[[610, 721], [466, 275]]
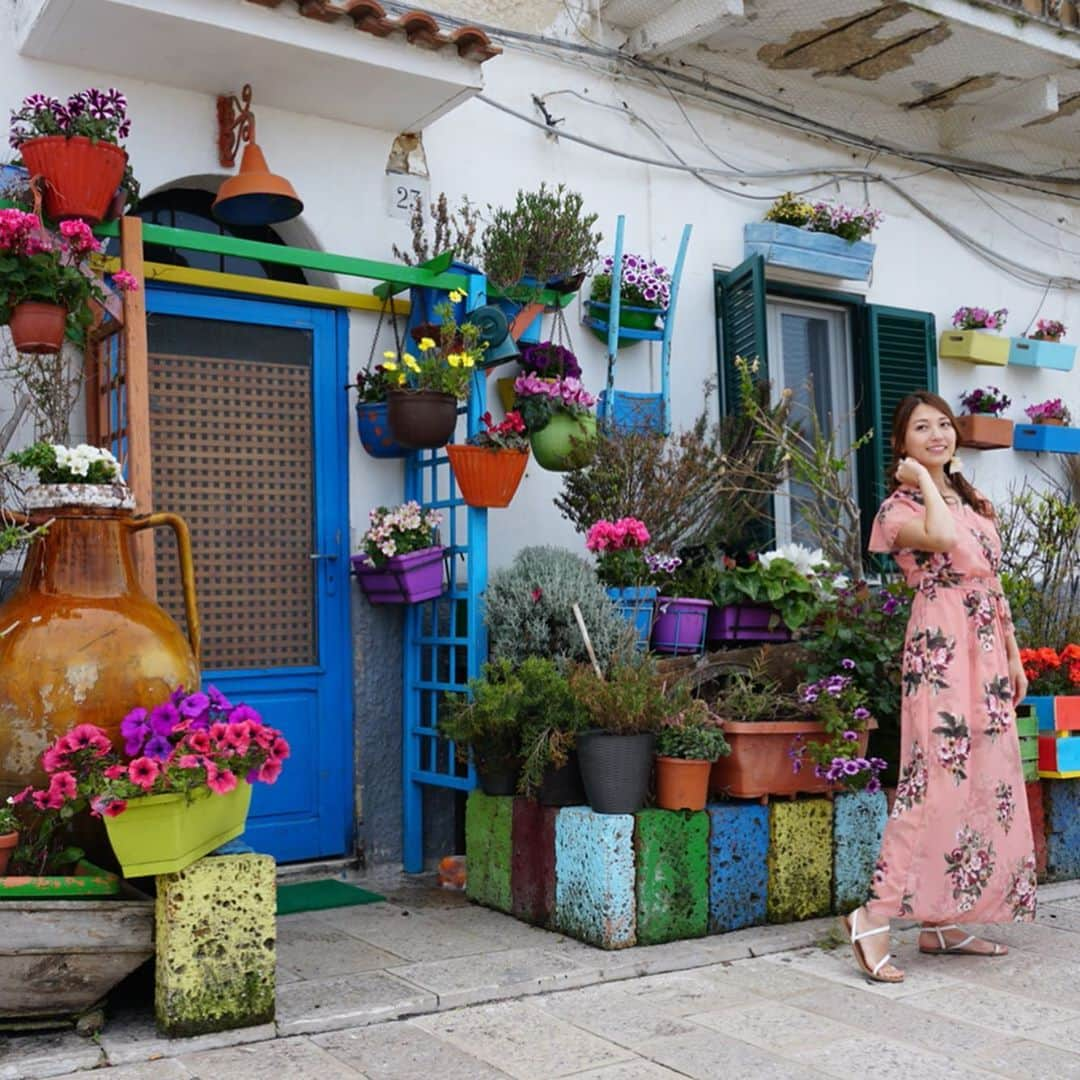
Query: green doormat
[[316, 895]]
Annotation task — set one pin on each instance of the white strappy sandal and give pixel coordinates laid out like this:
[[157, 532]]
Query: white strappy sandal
[[851, 930], [957, 948]]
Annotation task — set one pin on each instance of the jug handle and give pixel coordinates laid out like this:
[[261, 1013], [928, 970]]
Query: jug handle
[[187, 568]]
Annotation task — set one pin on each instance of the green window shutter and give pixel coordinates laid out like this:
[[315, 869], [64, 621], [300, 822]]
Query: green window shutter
[[740, 312], [901, 356]]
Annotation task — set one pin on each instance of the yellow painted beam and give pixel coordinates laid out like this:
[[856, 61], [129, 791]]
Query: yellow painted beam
[[279, 290]]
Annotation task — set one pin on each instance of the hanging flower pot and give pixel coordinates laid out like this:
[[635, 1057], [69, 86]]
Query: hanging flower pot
[[422, 419], [81, 176], [402, 579], [682, 783], [631, 317], [565, 442], [485, 476], [37, 327], [373, 425]]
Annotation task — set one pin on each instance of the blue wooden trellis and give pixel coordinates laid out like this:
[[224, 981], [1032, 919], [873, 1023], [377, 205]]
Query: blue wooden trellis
[[445, 639]]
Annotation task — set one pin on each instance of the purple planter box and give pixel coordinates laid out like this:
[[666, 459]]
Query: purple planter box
[[744, 622], [402, 579], [680, 625]]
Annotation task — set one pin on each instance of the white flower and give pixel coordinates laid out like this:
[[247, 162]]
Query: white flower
[[804, 559]]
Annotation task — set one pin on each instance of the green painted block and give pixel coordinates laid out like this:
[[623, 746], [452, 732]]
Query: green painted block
[[215, 932], [800, 860], [672, 875], [488, 851]]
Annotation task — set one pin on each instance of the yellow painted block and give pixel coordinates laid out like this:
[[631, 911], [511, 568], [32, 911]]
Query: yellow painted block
[[975, 346]]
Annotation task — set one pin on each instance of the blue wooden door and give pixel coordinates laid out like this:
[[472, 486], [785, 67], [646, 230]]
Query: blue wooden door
[[249, 429]]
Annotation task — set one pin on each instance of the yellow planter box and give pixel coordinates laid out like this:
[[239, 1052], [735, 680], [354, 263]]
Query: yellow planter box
[[161, 834], [975, 346]]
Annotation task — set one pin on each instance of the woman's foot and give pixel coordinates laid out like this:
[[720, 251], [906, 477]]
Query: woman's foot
[[950, 940], [870, 943]]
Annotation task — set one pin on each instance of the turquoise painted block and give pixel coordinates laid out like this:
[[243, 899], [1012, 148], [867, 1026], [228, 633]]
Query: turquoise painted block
[[1044, 710], [800, 860], [672, 850], [1028, 352], [858, 823], [738, 865], [595, 899], [817, 253], [1061, 804], [488, 849]]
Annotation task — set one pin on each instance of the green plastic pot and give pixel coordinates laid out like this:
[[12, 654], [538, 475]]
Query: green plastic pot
[[560, 445], [85, 879], [630, 318], [161, 834]]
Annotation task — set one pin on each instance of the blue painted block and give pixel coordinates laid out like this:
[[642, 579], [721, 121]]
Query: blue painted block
[[817, 253], [594, 877], [1029, 352], [738, 871], [1061, 800], [637, 414], [1056, 440], [1044, 710], [858, 823]]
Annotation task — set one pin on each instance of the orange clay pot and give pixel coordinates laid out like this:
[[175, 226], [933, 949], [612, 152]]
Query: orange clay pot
[[487, 478], [681, 784]]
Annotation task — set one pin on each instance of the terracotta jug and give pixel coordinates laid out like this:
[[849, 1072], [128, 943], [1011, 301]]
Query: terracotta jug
[[80, 642]]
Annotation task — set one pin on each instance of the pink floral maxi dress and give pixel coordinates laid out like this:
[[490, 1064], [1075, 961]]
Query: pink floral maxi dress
[[958, 843]]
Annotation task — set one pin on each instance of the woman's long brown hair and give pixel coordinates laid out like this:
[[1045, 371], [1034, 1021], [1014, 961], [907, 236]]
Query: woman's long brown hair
[[901, 418]]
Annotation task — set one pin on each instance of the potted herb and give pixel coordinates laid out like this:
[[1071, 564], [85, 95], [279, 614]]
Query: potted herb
[[489, 467], [9, 833], [44, 293], [75, 147], [974, 336], [402, 561], [559, 417], [644, 296], [689, 740], [373, 384], [981, 425]]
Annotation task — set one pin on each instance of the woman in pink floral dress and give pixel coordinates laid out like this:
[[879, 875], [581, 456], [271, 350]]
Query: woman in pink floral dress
[[958, 844]]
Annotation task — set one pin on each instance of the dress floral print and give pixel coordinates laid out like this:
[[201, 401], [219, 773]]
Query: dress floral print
[[958, 843]]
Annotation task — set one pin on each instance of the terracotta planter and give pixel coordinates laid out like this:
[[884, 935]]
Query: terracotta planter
[[983, 432], [1051, 422], [8, 843], [759, 763], [81, 177], [37, 327], [681, 784], [422, 419], [486, 477]]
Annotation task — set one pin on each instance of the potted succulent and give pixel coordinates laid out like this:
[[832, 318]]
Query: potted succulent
[[981, 425], [74, 146], [689, 740], [9, 833], [559, 417], [423, 409], [623, 567], [545, 360], [489, 467], [974, 336], [402, 561], [372, 423], [44, 293], [644, 296], [821, 237], [180, 788], [1043, 347]]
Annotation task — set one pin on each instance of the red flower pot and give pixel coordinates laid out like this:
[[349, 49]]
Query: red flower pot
[[486, 477], [37, 327], [81, 177]]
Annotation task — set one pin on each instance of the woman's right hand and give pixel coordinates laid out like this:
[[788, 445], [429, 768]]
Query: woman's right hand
[[911, 472]]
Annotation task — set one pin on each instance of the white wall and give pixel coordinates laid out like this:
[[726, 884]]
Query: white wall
[[480, 152]]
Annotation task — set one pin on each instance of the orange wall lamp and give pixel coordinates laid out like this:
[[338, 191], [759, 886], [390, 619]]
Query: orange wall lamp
[[255, 195]]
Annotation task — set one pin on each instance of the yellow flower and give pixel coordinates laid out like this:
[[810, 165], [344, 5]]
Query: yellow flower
[[454, 360], [456, 297], [410, 362], [427, 343], [389, 355], [390, 365], [468, 360], [401, 379]]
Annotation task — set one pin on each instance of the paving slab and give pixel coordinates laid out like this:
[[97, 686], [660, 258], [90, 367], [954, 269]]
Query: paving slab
[[1025, 1060], [31, 1056], [773, 1025], [629, 1070], [993, 1008], [134, 1038], [886, 1059], [348, 1001], [707, 1055], [309, 948], [160, 1069], [294, 1059]]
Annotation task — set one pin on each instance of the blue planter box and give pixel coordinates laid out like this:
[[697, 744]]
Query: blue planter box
[[637, 606], [1045, 354], [1057, 440], [634, 413], [817, 253]]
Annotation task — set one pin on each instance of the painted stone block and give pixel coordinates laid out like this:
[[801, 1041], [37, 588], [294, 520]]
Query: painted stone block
[[532, 861], [738, 865], [594, 877], [1061, 802], [488, 821], [672, 859], [800, 860], [215, 927], [1037, 811], [858, 823]]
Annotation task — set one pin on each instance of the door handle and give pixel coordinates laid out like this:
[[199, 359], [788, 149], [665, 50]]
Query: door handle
[[323, 555]]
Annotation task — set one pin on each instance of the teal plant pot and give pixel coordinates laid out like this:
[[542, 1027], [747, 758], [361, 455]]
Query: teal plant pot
[[565, 442]]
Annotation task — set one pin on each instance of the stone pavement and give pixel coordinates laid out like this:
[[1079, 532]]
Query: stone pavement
[[427, 985]]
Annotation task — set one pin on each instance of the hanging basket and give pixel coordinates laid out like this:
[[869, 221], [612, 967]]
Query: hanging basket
[[81, 176], [486, 477], [38, 328], [422, 419], [373, 424], [402, 579], [644, 320], [565, 442]]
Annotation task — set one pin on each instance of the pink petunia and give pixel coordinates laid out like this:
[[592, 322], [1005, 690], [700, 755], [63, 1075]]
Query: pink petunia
[[143, 772], [53, 759], [63, 784], [280, 750], [222, 782], [114, 772], [270, 771]]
